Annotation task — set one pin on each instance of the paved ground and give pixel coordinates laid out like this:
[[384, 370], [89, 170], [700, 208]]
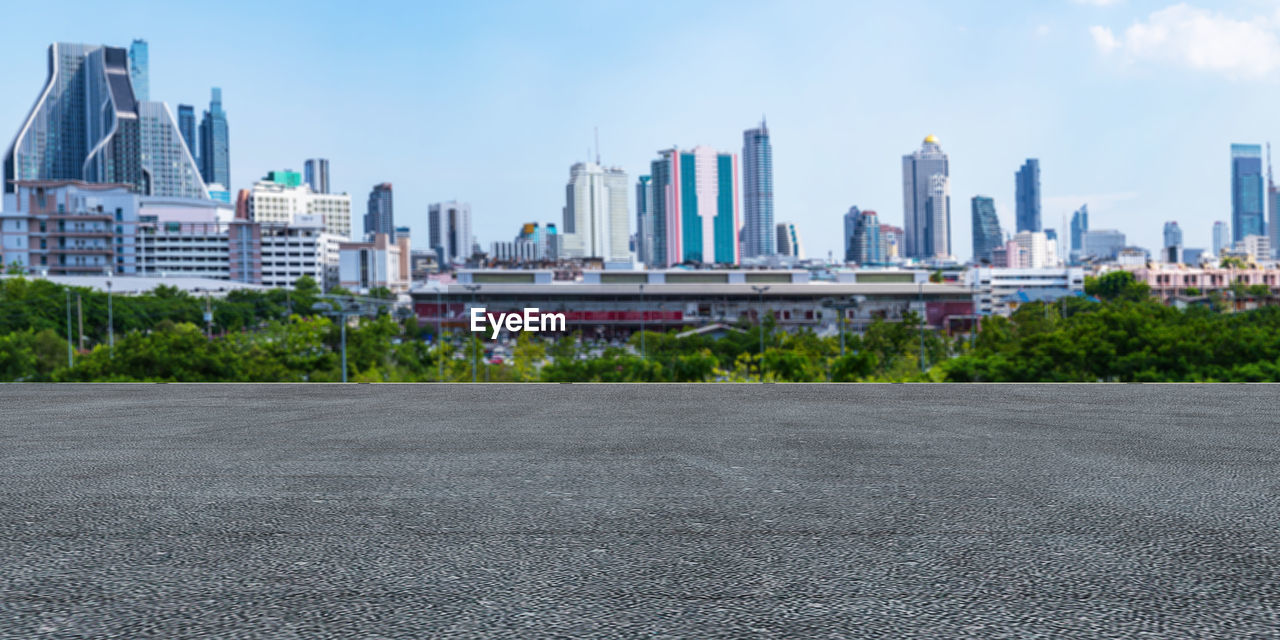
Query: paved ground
[[731, 511]]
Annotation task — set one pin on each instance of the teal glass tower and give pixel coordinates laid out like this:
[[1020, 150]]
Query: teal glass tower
[[215, 145]]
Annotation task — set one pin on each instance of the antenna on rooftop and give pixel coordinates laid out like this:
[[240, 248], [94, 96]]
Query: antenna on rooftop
[[597, 132]]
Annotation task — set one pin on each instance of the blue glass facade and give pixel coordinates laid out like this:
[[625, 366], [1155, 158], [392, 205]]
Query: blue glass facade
[[187, 126], [757, 192], [140, 70], [987, 235], [1027, 182], [1247, 216], [215, 144]]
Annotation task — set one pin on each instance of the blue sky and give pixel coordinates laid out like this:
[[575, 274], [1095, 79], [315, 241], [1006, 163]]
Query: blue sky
[[1131, 106]]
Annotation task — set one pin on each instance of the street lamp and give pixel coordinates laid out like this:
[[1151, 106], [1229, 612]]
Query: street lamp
[[473, 288], [760, 321], [341, 314], [840, 306], [642, 314], [70, 360], [923, 315], [439, 335], [111, 325]]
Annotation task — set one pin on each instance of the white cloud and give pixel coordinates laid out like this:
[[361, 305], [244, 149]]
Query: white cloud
[[1197, 39], [1104, 39], [1098, 3]]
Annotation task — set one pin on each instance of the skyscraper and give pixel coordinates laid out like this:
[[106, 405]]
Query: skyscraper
[[788, 239], [167, 166], [187, 126], [644, 220], [865, 246], [851, 220], [1273, 208], [1027, 183], [757, 192], [927, 201], [597, 216], [379, 217], [1221, 237], [215, 144], [1079, 226], [140, 70], [316, 174], [449, 231], [1246, 192], [60, 141], [1172, 234], [987, 235], [695, 207]]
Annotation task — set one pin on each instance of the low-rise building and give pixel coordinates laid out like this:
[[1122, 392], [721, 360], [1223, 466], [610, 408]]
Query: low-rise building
[[69, 227], [376, 263]]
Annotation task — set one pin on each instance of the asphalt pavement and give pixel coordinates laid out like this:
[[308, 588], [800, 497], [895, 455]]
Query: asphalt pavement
[[648, 511]]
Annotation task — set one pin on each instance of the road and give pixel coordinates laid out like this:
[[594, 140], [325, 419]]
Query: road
[[660, 511]]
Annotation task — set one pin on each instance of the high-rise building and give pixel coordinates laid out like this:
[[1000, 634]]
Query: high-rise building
[[187, 126], [757, 192], [1103, 244], [1221, 237], [1246, 192], [1038, 251], [788, 240], [1172, 234], [215, 144], [1079, 226], [644, 220], [851, 220], [59, 140], [281, 198], [1027, 182], [168, 168], [140, 70], [449, 231], [316, 172], [597, 216], [987, 235], [864, 245], [379, 217], [927, 201], [892, 241], [695, 207]]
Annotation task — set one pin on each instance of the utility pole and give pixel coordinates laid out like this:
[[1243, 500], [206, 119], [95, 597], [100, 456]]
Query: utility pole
[[111, 324], [760, 292], [923, 314], [80, 315], [475, 343], [642, 314], [70, 357]]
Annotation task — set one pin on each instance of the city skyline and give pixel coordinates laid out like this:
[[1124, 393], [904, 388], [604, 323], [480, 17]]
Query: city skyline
[[835, 149]]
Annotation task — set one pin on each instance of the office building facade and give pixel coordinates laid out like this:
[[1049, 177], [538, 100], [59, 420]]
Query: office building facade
[[597, 216], [59, 140], [380, 216], [140, 70], [987, 235], [215, 142], [449, 231], [927, 201], [187, 126], [281, 199], [695, 204], [644, 220], [1247, 190], [1027, 194], [168, 168], [788, 240], [757, 192], [864, 245], [316, 174], [1172, 234]]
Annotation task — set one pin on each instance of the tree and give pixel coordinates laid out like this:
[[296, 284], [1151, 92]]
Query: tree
[[1116, 285]]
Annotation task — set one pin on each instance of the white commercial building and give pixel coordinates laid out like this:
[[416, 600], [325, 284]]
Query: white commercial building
[[274, 203], [993, 286], [378, 263], [304, 248], [449, 231], [1040, 250], [597, 217]]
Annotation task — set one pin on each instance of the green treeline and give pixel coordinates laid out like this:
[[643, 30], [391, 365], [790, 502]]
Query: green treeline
[[1119, 334]]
